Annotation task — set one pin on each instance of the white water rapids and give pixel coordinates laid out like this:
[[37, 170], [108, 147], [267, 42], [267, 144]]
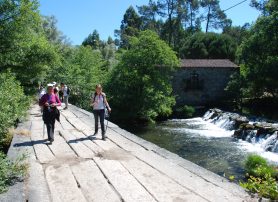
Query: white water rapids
[[221, 126]]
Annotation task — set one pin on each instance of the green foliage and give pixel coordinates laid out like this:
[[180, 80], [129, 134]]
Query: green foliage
[[261, 177], [215, 18], [265, 187], [185, 111], [257, 166], [10, 171], [130, 27], [14, 103], [238, 33], [209, 46], [260, 55], [24, 47], [92, 40], [82, 69], [140, 85]]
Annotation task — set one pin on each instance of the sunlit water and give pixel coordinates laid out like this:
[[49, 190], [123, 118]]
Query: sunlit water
[[205, 144]]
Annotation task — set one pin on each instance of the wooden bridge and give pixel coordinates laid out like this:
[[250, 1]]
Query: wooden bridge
[[81, 167]]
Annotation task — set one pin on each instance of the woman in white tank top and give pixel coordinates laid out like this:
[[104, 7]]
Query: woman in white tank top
[[99, 102]]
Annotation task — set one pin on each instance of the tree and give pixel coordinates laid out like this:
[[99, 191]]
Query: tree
[[130, 26], [265, 6], [92, 40], [52, 33], [110, 40], [193, 10], [148, 16], [82, 69], [167, 8], [209, 46], [215, 18], [238, 33], [23, 45], [259, 53], [140, 85]]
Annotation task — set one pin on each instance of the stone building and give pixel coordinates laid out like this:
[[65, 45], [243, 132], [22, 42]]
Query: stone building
[[202, 81]]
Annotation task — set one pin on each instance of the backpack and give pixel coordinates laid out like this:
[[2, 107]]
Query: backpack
[[106, 113], [68, 90]]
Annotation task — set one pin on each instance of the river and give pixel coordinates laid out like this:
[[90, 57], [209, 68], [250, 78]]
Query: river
[[204, 143]]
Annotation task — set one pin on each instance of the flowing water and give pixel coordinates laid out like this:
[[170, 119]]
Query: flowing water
[[209, 143]]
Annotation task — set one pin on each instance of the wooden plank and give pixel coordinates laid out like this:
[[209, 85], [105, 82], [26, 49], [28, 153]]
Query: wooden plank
[[127, 186], [68, 113], [37, 185], [93, 184], [86, 141], [62, 184], [60, 148], [77, 123], [153, 180], [42, 151], [80, 149], [184, 177], [155, 183], [65, 124], [58, 126], [132, 143], [37, 125], [106, 145]]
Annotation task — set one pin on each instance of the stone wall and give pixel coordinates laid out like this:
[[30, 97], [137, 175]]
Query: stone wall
[[201, 85]]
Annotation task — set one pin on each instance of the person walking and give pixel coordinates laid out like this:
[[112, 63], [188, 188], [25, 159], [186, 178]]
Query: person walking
[[66, 91], [99, 102], [49, 102]]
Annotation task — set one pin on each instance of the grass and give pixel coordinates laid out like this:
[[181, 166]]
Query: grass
[[261, 177], [11, 171]]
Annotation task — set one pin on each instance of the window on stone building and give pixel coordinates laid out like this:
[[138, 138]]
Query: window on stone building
[[194, 82]]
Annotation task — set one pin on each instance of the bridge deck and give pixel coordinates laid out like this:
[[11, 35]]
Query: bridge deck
[[80, 167]]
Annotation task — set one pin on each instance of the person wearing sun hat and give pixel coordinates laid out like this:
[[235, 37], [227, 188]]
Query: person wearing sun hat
[[49, 103]]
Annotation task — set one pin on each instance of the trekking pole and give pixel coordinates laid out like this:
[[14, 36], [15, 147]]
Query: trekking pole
[[107, 115], [43, 126]]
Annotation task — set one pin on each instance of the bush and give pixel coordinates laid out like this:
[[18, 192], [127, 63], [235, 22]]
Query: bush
[[11, 171], [257, 166], [185, 111], [261, 177], [265, 187], [13, 104]]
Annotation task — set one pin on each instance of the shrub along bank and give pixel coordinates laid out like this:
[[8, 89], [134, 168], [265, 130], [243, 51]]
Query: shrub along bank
[[261, 177], [13, 106]]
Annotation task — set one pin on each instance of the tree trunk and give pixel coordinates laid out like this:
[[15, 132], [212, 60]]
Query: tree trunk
[[208, 19], [170, 30], [191, 17]]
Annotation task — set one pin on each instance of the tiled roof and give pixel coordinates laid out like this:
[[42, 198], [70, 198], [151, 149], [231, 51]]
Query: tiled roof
[[207, 63]]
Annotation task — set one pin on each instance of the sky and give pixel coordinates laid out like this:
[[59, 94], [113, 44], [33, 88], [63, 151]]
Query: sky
[[77, 19]]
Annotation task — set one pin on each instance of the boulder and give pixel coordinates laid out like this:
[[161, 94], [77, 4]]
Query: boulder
[[240, 120], [237, 134], [247, 126]]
